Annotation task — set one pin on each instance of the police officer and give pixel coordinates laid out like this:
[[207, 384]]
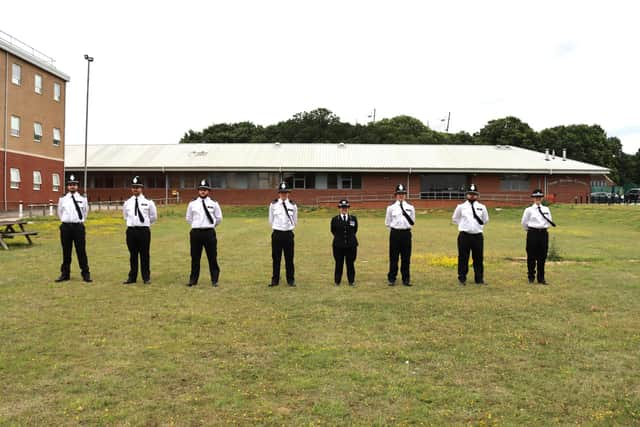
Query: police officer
[[471, 217], [401, 216], [345, 244], [283, 217], [139, 213], [536, 219], [204, 214], [72, 211]]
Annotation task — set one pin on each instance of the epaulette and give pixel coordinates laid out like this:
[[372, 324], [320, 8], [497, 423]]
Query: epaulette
[[194, 199], [274, 201], [213, 200], [292, 202]]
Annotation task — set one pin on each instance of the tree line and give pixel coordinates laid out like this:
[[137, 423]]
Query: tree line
[[585, 143]]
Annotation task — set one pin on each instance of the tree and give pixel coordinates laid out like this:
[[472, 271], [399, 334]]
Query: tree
[[508, 131]]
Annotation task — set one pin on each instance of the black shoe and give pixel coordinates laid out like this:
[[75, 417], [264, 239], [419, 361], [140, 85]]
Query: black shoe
[[214, 284], [62, 279], [531, 281], [542, 282], [406, 284], [292, 284], [463, 282], [337, 283], [273, 285], [192, 283], [128, 282], [352, 284], [147, 282], [481, 282], [391, 282], [87, 279]]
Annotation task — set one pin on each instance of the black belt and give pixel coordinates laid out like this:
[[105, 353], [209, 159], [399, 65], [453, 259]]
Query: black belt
[[72, 223], [204, 229], [469, 234], [400, 229], [138, 227], [537, 229], [283, 231]]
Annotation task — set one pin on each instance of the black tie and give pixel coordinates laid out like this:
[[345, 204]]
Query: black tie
[[344, 218], [545, 217], [77, 208], [475, 215], [137, 212], [406, 215], [206, 211], [287, 212]]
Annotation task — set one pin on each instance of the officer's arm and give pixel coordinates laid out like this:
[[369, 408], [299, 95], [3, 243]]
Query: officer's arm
[[85, 208], [271, 214], [486, 215], [333, 226], [217, 213], [525, 219], [413, 214], [355, 229], [189, 216], [295, 214], [456, 215], [153, 212], [549, 214], [387, 219], [60, 208], [124, 210]]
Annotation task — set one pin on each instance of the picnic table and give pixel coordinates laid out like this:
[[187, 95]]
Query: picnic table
[[8, 231]]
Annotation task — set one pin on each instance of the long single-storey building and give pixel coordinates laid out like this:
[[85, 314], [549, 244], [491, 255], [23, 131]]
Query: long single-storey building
[[248, 174]]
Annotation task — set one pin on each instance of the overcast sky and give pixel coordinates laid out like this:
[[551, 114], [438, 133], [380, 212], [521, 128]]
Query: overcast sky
[[162, 68]]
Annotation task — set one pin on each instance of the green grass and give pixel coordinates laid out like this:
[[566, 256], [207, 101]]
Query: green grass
[[509, 353]]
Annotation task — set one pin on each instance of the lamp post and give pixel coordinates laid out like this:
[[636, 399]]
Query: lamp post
[[89, 60]]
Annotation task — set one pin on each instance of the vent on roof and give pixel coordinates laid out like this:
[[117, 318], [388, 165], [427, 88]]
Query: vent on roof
[[341, 145], [546, 154], [277, 143], [503, 147], [198, 153], [564, 154]]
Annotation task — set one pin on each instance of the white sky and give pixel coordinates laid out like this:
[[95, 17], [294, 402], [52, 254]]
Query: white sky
[[164, 67]]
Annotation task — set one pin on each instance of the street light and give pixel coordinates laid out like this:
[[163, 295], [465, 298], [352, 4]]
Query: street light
[[89, 60]]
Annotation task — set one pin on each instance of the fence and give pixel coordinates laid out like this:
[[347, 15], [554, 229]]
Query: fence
[[51, 209]]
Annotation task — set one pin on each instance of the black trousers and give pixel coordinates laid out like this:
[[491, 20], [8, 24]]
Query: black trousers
[[204, 238], [138, 243], [342, 256], [73, 234], [399, 247], [474, 244], [282, 241], [537, 248]]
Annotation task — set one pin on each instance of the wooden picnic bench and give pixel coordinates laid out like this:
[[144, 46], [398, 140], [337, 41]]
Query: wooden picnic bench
[[8, 231]]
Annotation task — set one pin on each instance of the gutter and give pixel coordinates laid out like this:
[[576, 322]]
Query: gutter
[[6, 142]]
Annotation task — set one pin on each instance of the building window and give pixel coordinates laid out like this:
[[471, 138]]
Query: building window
[[37, 180], [16, 74], [15, 126], [344, 181], [56, 136], [37, 132], [55, 179], [37, 84], [514, 183], [15, 178], [57, 92]]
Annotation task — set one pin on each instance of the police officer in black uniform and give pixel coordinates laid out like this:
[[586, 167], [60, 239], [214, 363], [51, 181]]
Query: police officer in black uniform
[[345, 244], [72, 211], [283, 217]]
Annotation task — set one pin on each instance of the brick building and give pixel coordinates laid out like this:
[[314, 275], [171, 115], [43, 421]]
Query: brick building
[[32, 122], [247, 174]]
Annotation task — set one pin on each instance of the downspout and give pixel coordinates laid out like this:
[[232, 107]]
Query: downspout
[[166, 187], [6, 106], [409, 183]]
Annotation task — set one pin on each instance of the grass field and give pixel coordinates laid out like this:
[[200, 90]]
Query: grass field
[[506, 354]]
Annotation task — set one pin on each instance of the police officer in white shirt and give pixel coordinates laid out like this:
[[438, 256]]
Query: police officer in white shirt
[[72, 211], [204, 215], [283, 217], [400, 218], [471, 217], [139, 213], [536, 219]]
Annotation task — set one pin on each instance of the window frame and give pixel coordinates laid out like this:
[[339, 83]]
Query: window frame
[[57, 91], [55, 182], [15, 183], [37, 180], [37, 137], [16, 81], [13, 131], [36, 88], [59, 140]]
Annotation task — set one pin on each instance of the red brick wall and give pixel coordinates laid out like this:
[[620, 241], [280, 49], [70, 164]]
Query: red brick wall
[[26, 193], [382, 186]]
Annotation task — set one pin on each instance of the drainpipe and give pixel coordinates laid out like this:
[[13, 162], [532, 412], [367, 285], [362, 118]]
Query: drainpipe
[[6, 105], [409, 183], [166, 187]]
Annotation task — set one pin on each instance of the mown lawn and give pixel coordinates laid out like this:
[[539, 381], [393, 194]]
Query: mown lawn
[[508, 354]]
